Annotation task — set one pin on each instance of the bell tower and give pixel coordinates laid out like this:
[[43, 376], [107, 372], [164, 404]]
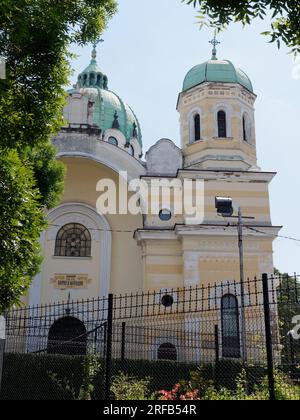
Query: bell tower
[[217, 117]]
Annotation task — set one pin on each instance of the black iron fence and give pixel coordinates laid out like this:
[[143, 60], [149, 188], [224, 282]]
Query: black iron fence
[[161, 335]]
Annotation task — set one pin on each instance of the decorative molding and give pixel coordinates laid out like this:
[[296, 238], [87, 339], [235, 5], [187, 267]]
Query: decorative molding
[[227, 175], [89, 217], [92, 148]]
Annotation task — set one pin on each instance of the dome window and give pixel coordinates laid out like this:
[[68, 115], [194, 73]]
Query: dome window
[[165, 215], [222, 125], [131, 150], [197, 127], [113, 141]]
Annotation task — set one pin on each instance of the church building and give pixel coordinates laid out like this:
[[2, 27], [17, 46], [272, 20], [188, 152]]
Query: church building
[[88, 254]]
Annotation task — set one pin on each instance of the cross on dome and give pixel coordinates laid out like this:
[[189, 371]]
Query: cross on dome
[[95, 44], [214, 43]]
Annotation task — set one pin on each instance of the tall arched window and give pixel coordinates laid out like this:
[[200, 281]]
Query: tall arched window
[[167, 351], [230, 327], [197, 127], [222, 125], [73, 240], [246, 128], [67, 336]]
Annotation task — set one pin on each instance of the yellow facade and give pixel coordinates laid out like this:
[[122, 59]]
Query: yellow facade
[[141, 252]]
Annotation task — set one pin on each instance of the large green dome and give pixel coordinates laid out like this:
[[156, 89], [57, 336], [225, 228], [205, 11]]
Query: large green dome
[[222, 71], [110, 111]]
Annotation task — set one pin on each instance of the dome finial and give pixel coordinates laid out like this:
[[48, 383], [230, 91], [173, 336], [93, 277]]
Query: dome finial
[[94, 52], [214, 42]]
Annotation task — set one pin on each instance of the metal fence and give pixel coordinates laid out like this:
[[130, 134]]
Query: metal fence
[[162, 335]]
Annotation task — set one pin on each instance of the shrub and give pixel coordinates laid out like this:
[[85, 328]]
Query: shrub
[[129, 388]]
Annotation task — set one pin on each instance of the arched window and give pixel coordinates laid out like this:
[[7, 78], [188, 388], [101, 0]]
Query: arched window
[[222, 126], [197, 127], [131, 150], [246, 128], [73, 240], [230, 327], [67, 336], [113, 141], [167, 351]]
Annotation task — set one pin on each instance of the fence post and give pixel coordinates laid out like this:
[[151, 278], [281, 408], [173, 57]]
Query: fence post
[[268, 331], [109, 333], [123, 346], [2, 346]]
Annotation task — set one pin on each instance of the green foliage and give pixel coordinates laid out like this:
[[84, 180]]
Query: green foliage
[[285, 17], [285, 390], [129, 388], [26, 376], [22, 222], [91, 368], [49, 173], [35, 36], [288, 294]]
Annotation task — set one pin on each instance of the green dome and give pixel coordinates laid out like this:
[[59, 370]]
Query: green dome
[[109, 109], [222, 71]]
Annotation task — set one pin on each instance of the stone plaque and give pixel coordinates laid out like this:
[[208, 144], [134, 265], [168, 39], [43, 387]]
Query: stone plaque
[[71, 281]]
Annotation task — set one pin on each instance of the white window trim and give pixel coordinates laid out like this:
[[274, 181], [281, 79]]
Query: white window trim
[[191, 117], [90, 218], [229, 114]]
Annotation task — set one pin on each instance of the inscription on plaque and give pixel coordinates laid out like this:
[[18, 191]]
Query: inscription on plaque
[[71, 281]]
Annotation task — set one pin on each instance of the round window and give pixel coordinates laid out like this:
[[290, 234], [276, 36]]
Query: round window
[[165, 215], [167, 301]]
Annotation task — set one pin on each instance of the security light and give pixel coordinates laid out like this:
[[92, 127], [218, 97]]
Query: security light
[[224, 206]]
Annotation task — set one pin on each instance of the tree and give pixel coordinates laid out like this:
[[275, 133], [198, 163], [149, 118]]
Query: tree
[[22, 221], [285, 17], [34, 39], [288, 294]]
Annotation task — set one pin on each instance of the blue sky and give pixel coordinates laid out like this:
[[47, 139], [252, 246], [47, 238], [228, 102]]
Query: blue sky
[[148, 49]]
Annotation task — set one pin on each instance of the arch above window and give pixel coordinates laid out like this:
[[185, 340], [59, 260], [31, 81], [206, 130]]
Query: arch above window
[[167, 351], [73, 240], [222, 124]]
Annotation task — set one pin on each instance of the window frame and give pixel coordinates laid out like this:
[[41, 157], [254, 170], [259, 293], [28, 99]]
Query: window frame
[[116, 144], [164, 347], [231, 344], [62, 247], [222, 129]]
